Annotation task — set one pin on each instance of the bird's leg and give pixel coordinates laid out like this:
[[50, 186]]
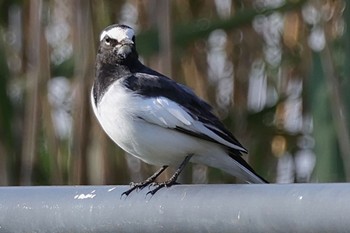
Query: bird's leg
[[148, 181], [172, 179]]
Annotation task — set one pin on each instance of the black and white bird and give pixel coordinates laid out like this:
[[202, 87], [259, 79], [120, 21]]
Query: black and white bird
[[155, 119]]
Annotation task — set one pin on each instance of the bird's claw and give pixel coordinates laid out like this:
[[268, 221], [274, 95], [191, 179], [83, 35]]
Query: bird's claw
[[135, 186], [159, 186]]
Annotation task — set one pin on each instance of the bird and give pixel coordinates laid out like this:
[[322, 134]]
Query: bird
[[156, 119]]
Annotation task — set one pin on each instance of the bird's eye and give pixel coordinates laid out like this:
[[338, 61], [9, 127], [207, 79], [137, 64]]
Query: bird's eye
[[108, 40]]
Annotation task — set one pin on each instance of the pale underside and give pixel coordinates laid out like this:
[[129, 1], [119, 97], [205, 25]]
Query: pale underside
[[145, 128]]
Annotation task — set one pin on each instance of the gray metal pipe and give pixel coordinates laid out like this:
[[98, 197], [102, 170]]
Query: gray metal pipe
[[182, 208]]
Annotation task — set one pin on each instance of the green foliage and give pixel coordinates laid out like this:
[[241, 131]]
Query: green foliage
[[328, 164]]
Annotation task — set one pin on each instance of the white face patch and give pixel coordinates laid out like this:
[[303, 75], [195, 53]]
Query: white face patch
[[118, 33]]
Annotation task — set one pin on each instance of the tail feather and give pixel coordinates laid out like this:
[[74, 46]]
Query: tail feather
[[250, 175], [247, 171], [231, 163]]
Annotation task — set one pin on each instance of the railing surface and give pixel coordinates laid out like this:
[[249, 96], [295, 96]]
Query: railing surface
[[181, 208]]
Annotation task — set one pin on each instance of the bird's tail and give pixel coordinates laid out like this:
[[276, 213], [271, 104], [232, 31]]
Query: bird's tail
[[231, 163], [251, 176], [246, 171]]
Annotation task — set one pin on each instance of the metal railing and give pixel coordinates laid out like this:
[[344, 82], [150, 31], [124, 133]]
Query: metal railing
[[181, 208]]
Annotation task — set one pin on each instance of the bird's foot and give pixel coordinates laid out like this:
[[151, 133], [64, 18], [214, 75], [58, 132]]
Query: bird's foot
[[138, 186], [150, 180], [172, 180], [158, 186], [145, 183]]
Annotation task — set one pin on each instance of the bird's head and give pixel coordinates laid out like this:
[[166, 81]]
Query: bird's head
[[117, 44]]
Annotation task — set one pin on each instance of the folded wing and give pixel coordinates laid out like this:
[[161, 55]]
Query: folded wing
[[169, 114]]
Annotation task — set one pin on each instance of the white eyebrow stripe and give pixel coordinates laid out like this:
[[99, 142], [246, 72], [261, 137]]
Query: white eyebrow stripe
[[118, 33]]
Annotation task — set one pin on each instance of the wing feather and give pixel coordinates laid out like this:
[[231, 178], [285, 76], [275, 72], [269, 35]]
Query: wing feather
[[176, 106], [167, 113]]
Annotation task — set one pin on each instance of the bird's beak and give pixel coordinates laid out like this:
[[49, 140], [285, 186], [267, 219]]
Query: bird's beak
[[127, 42], [124, 48]]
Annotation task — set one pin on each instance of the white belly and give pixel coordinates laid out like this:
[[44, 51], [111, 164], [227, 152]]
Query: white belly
[[151, 143], [158, 143]]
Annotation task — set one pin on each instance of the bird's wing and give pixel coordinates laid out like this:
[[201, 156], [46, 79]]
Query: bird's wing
[[171, 105], [169, 114]]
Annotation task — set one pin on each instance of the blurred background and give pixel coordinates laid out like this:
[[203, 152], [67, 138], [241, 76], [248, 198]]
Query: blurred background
[[274, 70]]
